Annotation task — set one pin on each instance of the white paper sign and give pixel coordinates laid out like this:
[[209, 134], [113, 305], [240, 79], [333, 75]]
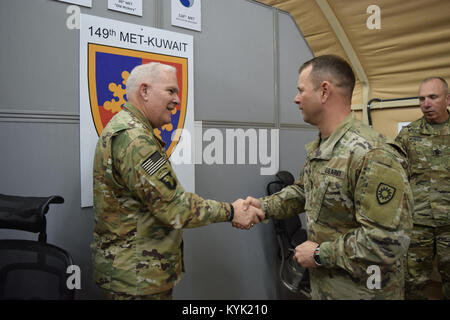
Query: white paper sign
[[187, 14], [127, 6], [401, 125], [109, 50], [84, 3]]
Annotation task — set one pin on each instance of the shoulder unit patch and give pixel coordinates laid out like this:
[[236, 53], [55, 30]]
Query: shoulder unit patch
[[385, 193]]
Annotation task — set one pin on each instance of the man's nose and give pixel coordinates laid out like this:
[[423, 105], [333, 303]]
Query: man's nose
[[426, 102], [177, 100]]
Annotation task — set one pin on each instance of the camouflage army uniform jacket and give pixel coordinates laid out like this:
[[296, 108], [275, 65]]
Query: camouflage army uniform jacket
[[428, 152], [358, 205], [140, 209]]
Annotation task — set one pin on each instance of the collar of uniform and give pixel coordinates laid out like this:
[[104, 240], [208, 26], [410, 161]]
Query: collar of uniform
[[426, 128], [138, 114], [324, 150]]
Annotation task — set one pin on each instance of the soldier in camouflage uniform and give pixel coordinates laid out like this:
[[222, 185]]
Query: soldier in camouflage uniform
[[354, 190], [427, 143], [140, 207]]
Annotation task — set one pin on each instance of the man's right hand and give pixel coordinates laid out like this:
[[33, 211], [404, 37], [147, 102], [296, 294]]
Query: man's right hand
[[247, 213]]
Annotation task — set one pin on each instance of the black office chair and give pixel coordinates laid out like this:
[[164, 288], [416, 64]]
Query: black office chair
[[31, 269], [290, 234]]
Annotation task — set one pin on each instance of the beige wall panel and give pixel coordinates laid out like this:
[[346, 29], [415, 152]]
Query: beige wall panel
[[386, 120]]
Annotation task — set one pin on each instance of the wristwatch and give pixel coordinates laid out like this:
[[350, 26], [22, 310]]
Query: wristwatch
[[317, 256]]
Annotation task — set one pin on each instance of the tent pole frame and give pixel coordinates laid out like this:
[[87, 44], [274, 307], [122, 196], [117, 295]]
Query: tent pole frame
[[349, 50]]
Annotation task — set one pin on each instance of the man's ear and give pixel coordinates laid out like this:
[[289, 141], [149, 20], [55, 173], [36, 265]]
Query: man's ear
[[324, 91], [144, 91]]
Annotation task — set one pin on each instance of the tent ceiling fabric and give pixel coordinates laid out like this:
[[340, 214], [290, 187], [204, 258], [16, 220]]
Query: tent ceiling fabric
[[412, 44]]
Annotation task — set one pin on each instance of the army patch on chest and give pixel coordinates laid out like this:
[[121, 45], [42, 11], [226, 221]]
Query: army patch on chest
[[153, 163], [333, 172], [385, 193]]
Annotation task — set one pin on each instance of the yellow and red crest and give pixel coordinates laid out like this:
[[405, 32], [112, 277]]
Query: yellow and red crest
[[109, 68]]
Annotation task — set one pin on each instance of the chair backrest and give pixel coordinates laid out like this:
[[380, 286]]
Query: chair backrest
[[26, 213], [289, 228], [31, 269], [289, 234]]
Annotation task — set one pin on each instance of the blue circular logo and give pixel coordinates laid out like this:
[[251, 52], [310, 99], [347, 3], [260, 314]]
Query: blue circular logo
[[187, 3]]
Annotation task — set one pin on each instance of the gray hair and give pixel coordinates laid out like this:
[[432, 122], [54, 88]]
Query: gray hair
[[145, 72]]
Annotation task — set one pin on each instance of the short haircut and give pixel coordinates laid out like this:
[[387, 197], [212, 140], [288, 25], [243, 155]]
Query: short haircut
[[442, 80], [334, 67], [145, 72]]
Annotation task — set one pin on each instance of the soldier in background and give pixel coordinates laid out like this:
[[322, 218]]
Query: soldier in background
[[139, 205], [427, 144], [354, 190]]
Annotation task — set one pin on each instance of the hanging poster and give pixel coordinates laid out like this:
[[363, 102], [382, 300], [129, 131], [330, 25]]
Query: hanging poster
[[109, 50], [187, 14], [126, 6], [84, 3]]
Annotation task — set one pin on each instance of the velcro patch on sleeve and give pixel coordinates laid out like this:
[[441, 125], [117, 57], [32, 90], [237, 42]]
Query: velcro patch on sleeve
[[153, 163], [382, 198]]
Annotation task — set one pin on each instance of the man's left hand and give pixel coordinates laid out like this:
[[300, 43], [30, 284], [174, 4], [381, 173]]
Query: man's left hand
[[304, 254]]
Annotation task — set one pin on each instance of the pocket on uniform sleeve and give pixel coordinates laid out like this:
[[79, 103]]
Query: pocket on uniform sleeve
[[381, 199]]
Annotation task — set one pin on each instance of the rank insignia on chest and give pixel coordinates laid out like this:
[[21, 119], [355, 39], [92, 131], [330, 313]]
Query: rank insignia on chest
[[414, 138], [385, 193], [153, 163], [437, 152]]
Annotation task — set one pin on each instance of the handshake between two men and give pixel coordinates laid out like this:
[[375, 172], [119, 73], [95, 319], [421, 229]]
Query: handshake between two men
[[248, 212]]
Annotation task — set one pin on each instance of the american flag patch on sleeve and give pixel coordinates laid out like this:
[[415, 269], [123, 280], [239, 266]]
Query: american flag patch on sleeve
[[153, 163]]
